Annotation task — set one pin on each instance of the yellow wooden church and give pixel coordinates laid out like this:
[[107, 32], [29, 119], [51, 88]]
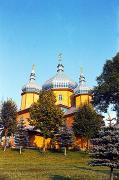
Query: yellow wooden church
[[69, 96]]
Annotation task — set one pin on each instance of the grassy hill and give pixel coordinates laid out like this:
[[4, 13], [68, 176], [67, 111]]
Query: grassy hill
[[32, 164]]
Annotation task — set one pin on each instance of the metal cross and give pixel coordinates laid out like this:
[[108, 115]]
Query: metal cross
[[60, 57]]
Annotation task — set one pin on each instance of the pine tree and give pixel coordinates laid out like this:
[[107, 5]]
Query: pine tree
[[21, 136], [8, 118], [105, 149]]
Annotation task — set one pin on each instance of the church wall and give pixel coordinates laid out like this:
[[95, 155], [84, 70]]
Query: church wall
[[66, 94], [23, 115], [28, 99], [69, 121], [81, 142], [35, 97], [82, 99], [40, 142], [23, 101]]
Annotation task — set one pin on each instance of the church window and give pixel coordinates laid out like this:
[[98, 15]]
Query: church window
[[60, 97]]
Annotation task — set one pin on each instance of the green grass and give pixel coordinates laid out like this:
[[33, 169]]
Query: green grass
[[32, 164]]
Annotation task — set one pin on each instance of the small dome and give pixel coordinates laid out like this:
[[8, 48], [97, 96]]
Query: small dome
[[82, 88], [60, 80], [31, 86]]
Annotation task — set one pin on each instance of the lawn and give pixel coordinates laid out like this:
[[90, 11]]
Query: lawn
[[33, 164]]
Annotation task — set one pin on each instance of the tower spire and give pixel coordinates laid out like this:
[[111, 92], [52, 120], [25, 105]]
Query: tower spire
[[60, 57], [32, 75], [81, 78], [60, 67]]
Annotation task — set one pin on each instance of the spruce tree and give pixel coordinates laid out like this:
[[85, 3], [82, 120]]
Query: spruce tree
[[8, 118], [21, 136], [66, 138], [105, 148]]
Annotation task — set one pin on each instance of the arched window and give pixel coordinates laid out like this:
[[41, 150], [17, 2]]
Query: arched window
[[60, 97]]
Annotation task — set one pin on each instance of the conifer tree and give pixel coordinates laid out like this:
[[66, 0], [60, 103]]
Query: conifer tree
[[21, 136], [8, 118], [66, 138], [45, 115], [86, 122], [105, 149]]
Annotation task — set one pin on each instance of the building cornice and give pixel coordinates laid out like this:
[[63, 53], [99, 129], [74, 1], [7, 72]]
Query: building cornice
[[29, 93], [62, 89], [23, 111]]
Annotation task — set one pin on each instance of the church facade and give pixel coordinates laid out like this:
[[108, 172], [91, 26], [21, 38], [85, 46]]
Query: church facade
[[69, 95]]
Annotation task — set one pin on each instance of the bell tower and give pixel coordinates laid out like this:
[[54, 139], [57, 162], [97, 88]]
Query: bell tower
[[82, 94], [30, 91]]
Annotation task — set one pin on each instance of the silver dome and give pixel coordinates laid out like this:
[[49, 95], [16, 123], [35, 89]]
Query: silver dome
[[60, 80], [82, 88], [31, 86]]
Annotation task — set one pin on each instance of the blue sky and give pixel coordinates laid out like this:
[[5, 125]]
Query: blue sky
[[35, 31]]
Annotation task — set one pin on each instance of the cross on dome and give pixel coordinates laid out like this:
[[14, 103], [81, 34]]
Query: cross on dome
[[81, 78], [33, 75], [60, 67], [60, 80], [60, 57]]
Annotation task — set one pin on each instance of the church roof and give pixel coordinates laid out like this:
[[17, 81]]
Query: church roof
[[31, 86], [60, 80], [70, 111], [82, 88]]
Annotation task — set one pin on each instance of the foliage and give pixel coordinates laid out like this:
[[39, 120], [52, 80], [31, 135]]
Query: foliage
[[105, 150], [21, 136], [107, 90], [65, 137], [8, 116], [86, 122], [45, 115]]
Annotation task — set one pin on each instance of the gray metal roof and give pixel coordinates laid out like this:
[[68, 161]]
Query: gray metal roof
[[82, 88], [60, 80], [31, 86]]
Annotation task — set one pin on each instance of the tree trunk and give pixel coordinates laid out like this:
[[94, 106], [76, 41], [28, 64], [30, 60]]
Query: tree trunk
[[5, 148], [65, 151], [118, 115], [111, 173], [12, 140], [5, 145], [44, 149], [20, 149], [87, 148]]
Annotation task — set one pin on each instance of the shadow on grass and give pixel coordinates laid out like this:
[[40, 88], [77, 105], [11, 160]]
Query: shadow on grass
[[25, 150], [17, 150], [116, 174], [91, 169], [104, 171], [58, 177], [2, 177]]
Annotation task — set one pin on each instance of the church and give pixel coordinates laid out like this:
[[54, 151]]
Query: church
[[69, 97]]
